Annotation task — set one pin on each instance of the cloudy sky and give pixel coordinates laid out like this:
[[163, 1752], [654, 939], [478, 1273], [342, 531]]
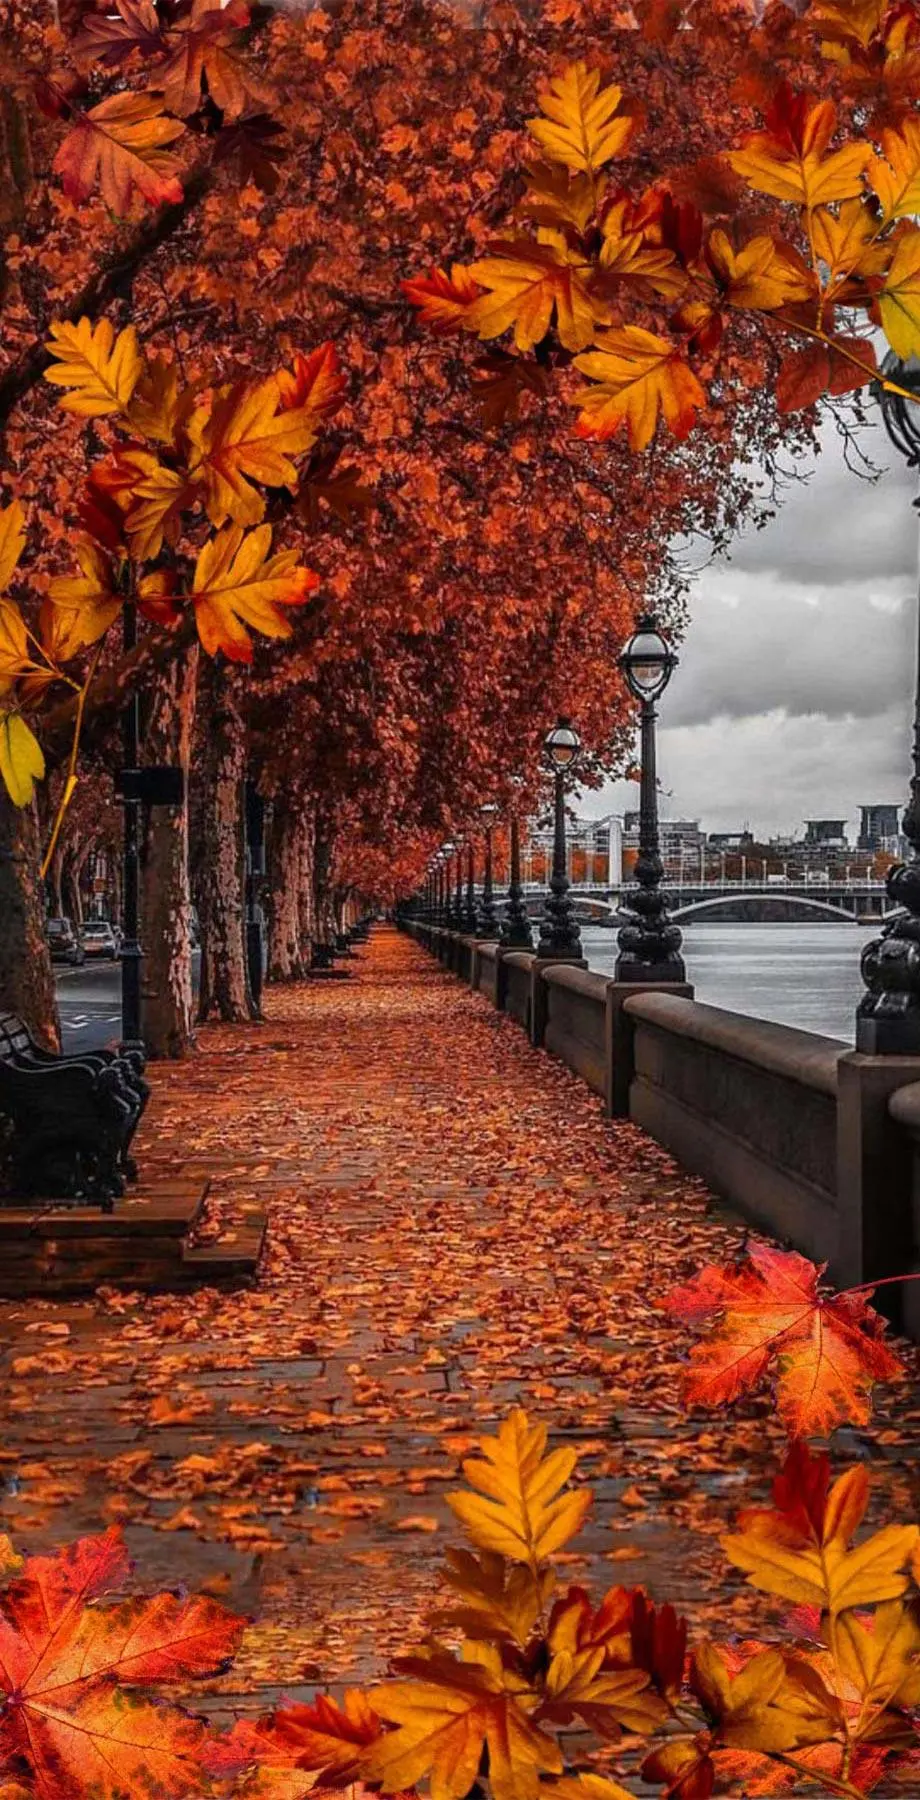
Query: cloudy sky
[[793, 695]]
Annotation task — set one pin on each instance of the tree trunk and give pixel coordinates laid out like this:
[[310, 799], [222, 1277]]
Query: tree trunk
[[70, 888], [26, 977], [323, 916], [165, 892], [224, 984], [286, 953], [56, 881]]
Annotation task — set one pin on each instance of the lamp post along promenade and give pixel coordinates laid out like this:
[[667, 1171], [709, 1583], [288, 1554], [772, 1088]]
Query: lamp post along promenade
[[888, 1016], [650, 942], [516, 931], [560, 938], [487, 918]]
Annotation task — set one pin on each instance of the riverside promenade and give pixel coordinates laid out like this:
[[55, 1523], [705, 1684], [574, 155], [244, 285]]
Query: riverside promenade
[[454, 1228]]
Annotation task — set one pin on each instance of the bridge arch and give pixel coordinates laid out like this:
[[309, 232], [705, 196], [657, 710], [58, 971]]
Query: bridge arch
[[761, 909]]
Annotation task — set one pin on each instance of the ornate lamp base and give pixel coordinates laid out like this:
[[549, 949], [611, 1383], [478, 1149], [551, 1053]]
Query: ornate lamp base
[[650, 951], [888, 1016], [516, 935]]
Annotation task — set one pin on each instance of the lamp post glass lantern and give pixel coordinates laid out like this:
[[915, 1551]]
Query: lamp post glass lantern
[[888, 1016], [486, 917], [649, 942], [560, 937]]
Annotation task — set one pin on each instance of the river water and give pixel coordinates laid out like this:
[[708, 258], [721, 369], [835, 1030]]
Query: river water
[[803, 975]]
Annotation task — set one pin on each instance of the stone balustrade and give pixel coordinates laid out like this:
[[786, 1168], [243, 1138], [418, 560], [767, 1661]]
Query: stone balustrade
[[815, 1143]]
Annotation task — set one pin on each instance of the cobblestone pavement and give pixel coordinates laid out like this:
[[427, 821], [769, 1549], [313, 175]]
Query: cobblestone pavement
[[454, 1229]]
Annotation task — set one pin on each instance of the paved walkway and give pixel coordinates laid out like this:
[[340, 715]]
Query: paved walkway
[[454, 1228]]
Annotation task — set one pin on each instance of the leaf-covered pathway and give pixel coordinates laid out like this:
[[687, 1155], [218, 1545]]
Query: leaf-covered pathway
[[454, 1228]]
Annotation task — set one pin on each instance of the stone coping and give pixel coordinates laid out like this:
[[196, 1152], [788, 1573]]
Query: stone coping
[[801, 1056], [585, 982]]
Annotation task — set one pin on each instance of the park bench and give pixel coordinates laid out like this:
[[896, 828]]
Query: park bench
[[69, 1119]]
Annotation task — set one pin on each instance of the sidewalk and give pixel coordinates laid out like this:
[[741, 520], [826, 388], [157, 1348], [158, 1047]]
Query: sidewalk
[[453, 1229]]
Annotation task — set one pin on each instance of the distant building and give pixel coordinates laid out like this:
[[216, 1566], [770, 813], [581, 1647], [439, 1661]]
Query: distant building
[[683, 845], [879, 828], [594, 851], [731, 840], [826, 834]]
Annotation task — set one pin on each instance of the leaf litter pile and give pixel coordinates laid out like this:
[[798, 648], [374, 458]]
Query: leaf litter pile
[[454, 1230]]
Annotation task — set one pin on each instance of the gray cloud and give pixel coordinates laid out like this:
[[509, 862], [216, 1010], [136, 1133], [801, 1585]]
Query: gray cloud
[[794, 690]]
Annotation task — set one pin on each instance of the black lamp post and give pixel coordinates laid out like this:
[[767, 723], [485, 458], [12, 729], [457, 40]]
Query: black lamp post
[[560, 937], [469, 909], [132, 955], [516, 931], [650, 942], [457, 913], [486, 917], [446, 854], [888, 1016]]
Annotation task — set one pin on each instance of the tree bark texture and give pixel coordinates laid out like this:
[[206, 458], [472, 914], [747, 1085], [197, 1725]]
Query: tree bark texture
[[224, 985], [26, 978], [168, 1007], [290, 833], [323, 926]]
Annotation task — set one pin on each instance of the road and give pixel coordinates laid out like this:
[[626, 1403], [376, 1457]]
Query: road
[[89, 1000]]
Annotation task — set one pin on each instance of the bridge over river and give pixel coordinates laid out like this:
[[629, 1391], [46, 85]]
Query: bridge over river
[[750, 902]]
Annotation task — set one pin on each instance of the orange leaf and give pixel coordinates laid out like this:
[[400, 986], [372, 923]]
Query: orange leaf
[[120, 144], [64, 1666], [443, 300], [827, 1352], [639, 376], [238, 584], [791, 161]]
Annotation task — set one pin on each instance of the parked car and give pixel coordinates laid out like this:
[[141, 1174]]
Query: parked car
[[64, 942], [99, 939]]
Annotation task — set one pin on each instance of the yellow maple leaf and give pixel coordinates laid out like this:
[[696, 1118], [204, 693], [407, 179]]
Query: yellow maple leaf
[[102, 370], [791, 160], [589, 1787], [639, 377], [160, 405], [14, 645], [761, 274], [625, 255], [121, 144], [879, 1658], [899, 300], [845, 241], [499, 1600], [826, 1573], [245, 435], [761, 1707], [88, 601], [12, 539], [526, 284], [577, 1686], [557, 196], [854, 20], [238, 584], [581, 124], [895, 175], [155, 501], [10, 1560], [21, 759], [518, 1509], [445, 1721]]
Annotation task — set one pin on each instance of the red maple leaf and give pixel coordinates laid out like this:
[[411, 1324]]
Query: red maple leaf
[[826, 1350], [70, 1720]]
